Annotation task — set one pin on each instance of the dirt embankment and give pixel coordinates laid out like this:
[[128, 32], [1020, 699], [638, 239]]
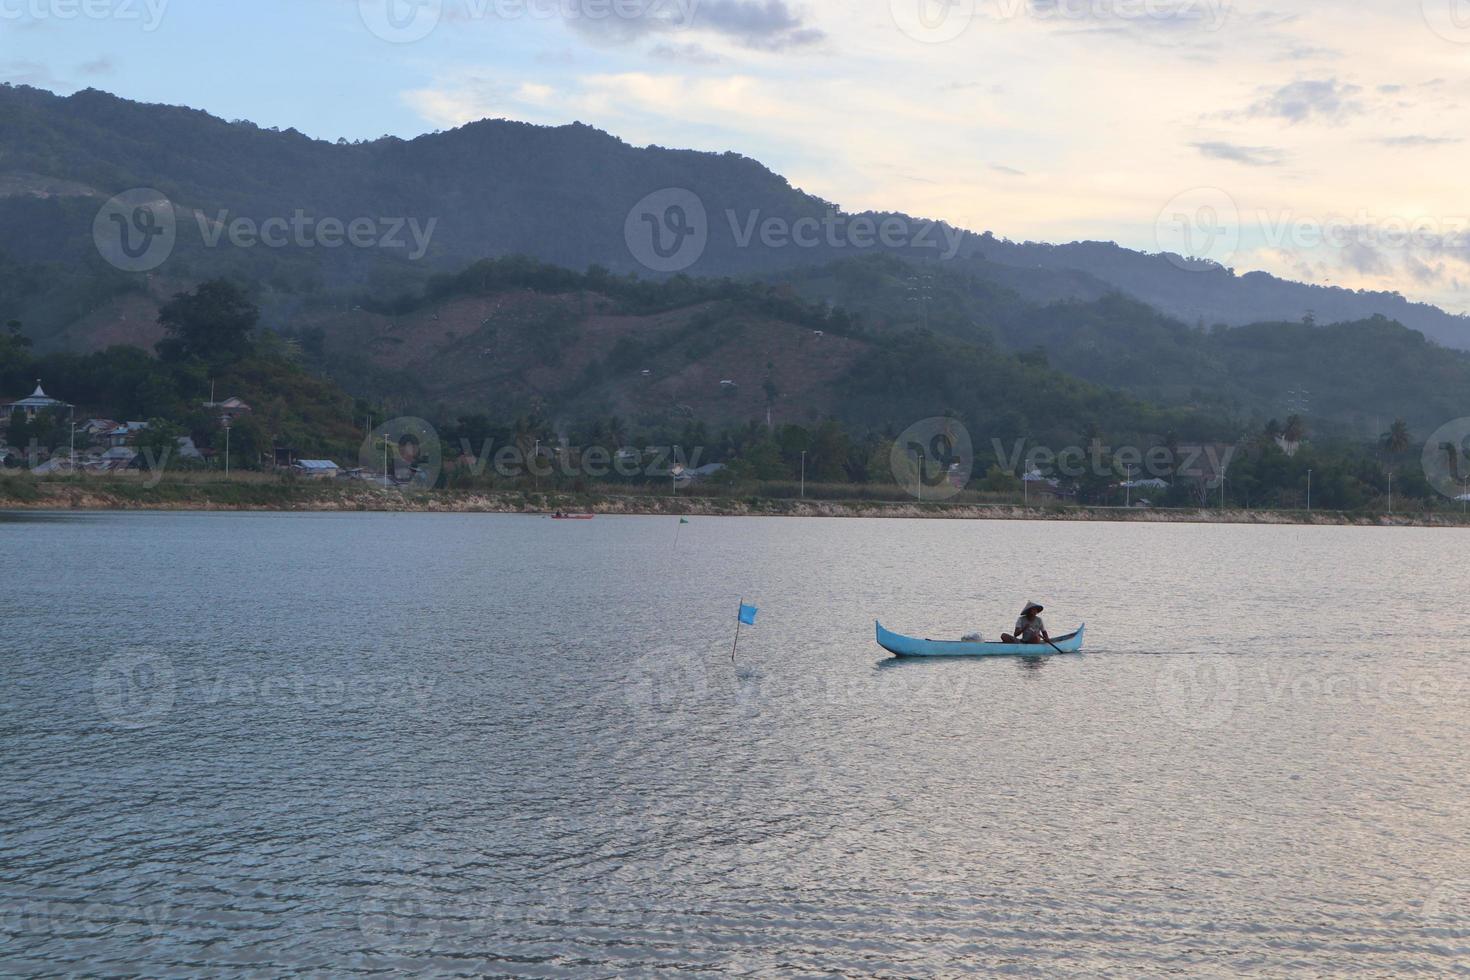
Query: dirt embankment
[[285, 496]]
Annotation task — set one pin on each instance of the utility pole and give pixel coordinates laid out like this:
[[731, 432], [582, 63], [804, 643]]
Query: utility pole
[[1309, 491], [803, 474], [919, 291], [227, 450]]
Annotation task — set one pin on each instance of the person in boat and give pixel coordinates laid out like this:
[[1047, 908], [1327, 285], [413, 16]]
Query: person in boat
[[1029, 627]]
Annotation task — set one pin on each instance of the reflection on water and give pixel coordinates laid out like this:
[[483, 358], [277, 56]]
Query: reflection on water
[[36, 517], [477, 744]]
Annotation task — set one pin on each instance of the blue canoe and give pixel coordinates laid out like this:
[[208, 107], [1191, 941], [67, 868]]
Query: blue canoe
[[908, 646]]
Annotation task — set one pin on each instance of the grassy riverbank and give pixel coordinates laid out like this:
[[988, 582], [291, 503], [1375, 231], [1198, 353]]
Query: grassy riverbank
[[255, 492]]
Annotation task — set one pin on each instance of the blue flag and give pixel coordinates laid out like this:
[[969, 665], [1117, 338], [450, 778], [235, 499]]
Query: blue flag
[[747, 614]]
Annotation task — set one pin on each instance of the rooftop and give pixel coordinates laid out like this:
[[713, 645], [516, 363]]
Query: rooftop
[[39, 399]]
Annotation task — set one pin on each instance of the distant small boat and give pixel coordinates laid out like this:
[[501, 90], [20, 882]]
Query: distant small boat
[[908, 646], [572, 517]]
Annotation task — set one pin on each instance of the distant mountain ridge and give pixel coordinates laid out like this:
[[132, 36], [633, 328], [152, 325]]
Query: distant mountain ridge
[[564, 195]]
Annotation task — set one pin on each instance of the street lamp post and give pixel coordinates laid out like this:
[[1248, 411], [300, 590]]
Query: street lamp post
[[227, 450], [1309, 491], [803, 474]]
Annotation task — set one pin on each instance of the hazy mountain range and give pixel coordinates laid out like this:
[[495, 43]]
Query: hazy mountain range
[[570, 195]]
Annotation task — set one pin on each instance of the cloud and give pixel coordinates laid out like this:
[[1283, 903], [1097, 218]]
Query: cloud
[[1300, 51], [1251, 156], [691, 54], [27, 73], [1306, 100], [1415, 140], [97, 66], [1422, 272], [477, 98], [1008, 171], [1156, 15], [771, 25], [1366, 259], [765, 25]]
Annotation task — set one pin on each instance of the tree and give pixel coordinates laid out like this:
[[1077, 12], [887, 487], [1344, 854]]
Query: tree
[[1295, 430], [18, 436], [998, 480], [213, 324], [760, 461], [1397, 438], [158, 444], [828, 455]]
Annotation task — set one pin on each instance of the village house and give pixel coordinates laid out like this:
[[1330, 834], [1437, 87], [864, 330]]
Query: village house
[[123, 434], [315, 469], [228, 410], [96, 429]]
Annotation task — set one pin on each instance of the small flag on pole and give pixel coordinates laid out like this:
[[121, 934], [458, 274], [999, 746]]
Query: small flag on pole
[[683, 520], [747, 616]]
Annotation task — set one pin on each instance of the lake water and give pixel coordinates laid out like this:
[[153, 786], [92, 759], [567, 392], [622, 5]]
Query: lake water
[[505, 745]]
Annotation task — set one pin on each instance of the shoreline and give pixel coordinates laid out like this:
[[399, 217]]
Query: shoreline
[[287, 498]]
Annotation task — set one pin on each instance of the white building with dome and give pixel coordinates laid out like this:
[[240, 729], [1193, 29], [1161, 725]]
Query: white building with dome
[[37, 403]]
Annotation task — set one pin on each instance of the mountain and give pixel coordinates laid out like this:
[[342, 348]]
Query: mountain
[[513, 336], [570, 195]]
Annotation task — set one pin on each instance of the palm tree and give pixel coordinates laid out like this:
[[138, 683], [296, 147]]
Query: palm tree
[[1295, 430], [1397, 438]]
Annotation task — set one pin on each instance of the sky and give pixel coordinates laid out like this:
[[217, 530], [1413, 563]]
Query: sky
[[1319, 141]]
